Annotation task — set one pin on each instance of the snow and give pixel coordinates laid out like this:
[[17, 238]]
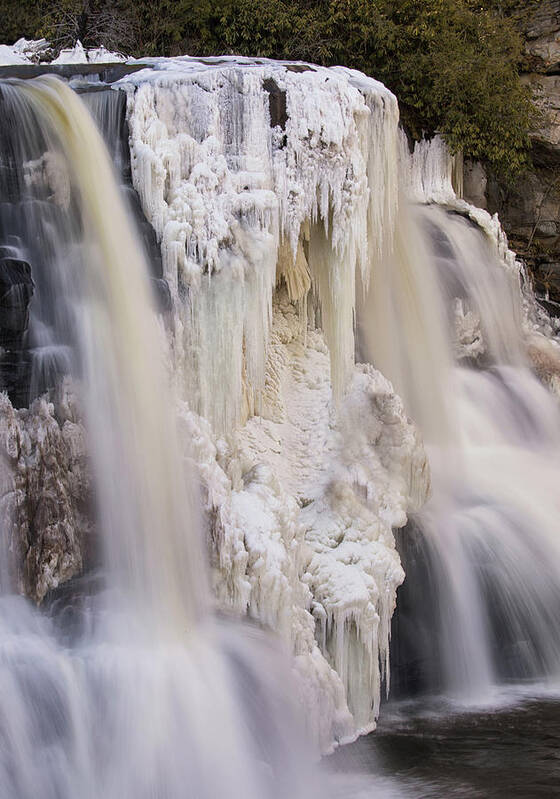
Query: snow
[[9, 56], [24, 51], [38, 51], [94, 55]]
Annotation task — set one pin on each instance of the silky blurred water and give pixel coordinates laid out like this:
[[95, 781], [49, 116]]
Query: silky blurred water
[[128, 687]]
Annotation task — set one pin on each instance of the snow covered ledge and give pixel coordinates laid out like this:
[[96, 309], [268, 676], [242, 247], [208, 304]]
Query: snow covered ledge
[[273, 188]]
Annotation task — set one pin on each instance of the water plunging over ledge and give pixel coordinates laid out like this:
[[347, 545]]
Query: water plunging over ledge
[[135, 655], [449, 334], [145, 693]]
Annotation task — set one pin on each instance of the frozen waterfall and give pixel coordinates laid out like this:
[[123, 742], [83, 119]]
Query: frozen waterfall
[[273, 188], [197, 343]]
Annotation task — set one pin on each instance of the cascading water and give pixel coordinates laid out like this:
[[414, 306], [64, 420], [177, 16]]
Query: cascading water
[[261, 213], [444, 323], [144, 694]]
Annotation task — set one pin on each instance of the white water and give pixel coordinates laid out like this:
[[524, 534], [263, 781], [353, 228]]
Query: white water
[[128, 687], [452, 342]]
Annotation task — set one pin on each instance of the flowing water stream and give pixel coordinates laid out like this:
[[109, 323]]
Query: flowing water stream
[[130, 687], [477, 629], [490, 530], [126, 685]]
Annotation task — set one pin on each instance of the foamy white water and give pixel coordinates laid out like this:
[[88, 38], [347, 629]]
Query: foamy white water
[[452, 341]]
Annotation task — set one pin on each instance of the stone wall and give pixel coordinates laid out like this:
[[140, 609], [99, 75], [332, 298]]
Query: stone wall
[[530, 208]]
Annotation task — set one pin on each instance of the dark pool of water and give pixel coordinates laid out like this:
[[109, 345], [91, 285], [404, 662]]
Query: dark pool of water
[[421, 751]]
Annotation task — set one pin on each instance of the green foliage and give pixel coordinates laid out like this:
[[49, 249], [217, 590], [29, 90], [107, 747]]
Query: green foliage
[[19, 19], [454, 64]]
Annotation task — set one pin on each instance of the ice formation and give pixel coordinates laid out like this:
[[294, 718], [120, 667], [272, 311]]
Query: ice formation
[[271, 187], [45, 493], [302, 509], [38, 51], [232, 157]]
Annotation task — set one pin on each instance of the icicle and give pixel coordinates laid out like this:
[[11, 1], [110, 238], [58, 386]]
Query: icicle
[[255, 207]]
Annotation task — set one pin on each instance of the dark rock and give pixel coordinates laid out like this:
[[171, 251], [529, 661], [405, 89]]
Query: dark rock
[[552, 308], [299, 68], [545, 154], [108, 108], [145, 231], [16, 290], [108, 73], [276, 104], [162, 292], [546, 279], [15, 376], [416, 648]]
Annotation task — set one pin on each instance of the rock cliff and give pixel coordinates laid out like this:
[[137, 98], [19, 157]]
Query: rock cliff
[[530, 208]]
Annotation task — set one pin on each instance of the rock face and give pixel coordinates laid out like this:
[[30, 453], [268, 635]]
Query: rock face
[[542, 32], [44, 493], [530, 209], [16, 291]]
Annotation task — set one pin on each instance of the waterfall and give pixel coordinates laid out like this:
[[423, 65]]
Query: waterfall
[[126, 685], [149, 529], [447, 323], [269, 198], [256, 219]]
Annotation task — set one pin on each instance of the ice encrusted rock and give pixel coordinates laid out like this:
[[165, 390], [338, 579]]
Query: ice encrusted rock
[[271, 186], [223, 188], [301, 502], [44, 493], [39, 51], [24, 51]]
